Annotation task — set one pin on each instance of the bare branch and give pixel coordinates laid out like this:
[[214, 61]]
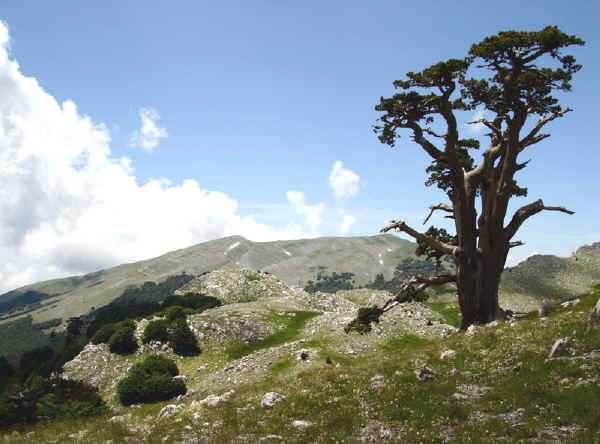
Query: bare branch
[[434, 134], [440, 206], [530, 139], [430, 241], [515, 244], [425, 144], [424, 283], [495, 130], [525, 212]]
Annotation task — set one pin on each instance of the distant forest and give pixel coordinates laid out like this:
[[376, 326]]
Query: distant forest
[[330, 283]]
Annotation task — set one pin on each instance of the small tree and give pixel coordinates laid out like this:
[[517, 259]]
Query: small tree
[[123, 342], [182, 339], [156, 331], [511, 87]]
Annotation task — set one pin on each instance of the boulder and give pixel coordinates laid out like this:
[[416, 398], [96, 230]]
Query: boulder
[[270, 399], [595, 314], [560, 347]]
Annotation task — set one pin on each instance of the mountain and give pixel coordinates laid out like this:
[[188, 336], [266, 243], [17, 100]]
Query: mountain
[[294, 262], [551, 277]]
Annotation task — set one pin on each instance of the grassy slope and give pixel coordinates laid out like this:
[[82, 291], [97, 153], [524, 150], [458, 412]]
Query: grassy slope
[[508, 361]]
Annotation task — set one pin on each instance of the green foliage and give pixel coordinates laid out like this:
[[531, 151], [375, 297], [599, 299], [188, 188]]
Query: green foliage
[[74, 326], [150, 381], [18, 300], [38, 360], [174, 312], [411, 293], [363, 320], [6, 370], [48, 324], [425, 250], [152, 292], [182, 339], [196, 301], [122, 341], [103, 335], [20, 335], [331, 283], [69, 399], [115, 313], [156, 331]]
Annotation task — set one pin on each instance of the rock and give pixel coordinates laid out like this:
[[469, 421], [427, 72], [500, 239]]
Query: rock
[[544, 309], [570, 303], [168, 410], [460, 396], [299, 424], [79, 435], [447, 354], [201, 368], [377, 381], [303, 355], [493, 323], [271, 438], [424, 373], [471, 330], [183, 378], [560, 346], [270, 399], [213, 400], [595, 314]]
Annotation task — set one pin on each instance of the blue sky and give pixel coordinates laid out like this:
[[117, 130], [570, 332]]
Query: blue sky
[[245, 102]]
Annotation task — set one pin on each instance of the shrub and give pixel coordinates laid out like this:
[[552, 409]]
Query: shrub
[[156, 331], [6, 370], [122, 341], [70, 399], [174, 312], [150, 381], [38, 360], [103, 335], [182, 340], [196, 301], [362, 323]]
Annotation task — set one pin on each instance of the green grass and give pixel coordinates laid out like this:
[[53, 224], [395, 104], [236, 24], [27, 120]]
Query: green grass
[[288, 333], [450, 312]]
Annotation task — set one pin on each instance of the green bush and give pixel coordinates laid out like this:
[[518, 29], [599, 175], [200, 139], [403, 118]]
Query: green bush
[[70, 399], [195, 301], [182, 340], [150, 381], [174, 312], [103, 335], [6, 370], [362, 323], [123, 342], [38, 360], [156, 331]]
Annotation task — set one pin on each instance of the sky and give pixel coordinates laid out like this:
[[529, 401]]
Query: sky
[[129, 129]]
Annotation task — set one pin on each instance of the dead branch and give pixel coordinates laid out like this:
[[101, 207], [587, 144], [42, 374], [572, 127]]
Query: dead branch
[[430, 241], [525, 212], [515, 244], [531, 138], [440, 206]]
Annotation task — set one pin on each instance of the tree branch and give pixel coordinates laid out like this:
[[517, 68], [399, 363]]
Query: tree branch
[[515, 244], [440, 206], [495, 130], [525, 212], [434, 134], [530, 139], [430, 241], [424, 283]]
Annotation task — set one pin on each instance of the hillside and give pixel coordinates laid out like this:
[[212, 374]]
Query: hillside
[[412, 379], [294, 262], [551, 277]]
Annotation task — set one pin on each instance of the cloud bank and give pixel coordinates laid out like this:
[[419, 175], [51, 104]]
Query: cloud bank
[[67, 206]]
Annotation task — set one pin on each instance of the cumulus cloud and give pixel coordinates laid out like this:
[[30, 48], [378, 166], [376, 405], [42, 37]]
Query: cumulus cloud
[[149, 135], [343, 182], [67, 206], [311, 213], [347, 221]]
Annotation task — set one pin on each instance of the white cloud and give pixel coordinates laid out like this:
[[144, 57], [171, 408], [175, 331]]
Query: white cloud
[[347, 221], [343, 182], [149, 135], [67, 206], [476, 128], [311, 213]]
